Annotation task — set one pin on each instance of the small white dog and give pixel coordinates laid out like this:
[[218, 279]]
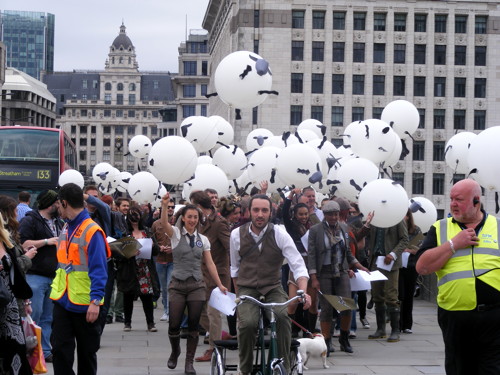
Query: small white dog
[[315, 347]]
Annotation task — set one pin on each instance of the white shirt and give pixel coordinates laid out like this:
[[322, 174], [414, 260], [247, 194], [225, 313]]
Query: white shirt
[[284, 242], [176, 237]]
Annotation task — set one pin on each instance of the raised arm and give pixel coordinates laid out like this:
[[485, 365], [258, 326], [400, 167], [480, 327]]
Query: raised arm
[[164, 215]]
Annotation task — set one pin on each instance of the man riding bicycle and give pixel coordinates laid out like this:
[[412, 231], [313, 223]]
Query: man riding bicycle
[[257, 251]]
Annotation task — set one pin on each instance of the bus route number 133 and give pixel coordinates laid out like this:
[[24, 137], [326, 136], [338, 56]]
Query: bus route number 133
[[43, 174]]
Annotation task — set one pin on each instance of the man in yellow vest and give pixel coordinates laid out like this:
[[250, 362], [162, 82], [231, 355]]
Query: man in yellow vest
[[464, 252], [78, 288]]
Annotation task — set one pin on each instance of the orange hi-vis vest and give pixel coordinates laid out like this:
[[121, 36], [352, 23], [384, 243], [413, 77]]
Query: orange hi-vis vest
[[72, 253]]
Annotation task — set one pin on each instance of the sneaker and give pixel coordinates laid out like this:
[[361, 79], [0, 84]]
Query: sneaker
[[152, 327], [407, 330], [127, 327], [365, 323], [164, 317], [352, 334]]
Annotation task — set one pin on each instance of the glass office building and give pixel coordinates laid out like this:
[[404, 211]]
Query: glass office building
[[29, 40]]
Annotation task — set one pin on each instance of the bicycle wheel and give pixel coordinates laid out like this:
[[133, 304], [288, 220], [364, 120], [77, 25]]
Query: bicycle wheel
[[279, 369], [296, 367], [216, 364]]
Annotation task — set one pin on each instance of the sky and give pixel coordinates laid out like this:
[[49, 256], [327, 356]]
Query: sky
[[84, 30]]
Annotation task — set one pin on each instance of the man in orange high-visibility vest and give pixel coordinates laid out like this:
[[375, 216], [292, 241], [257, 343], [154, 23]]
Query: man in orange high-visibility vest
[[78, 288]]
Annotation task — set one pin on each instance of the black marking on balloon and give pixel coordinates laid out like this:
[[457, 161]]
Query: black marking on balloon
[[138, 191], [382, 149], [261, 65], [103, 175], [220, 133], [386, 129], [497, 207], [223, 144], [355, 185], [250, 152], [316, 176], [322, 143], [210, 95], [331, 161], [416, 206], [237, 114], [247, 70], [184, 129], [210, 153], [152, 162], [332, 182], [285, 137], [260, 139], [347, 146], [298, 137], [273, 175], [448, 148], [246, 186], [246, 166], [468, 145], [128, 153], [409, 135], [404, 150], [236, 185], [333, 189], [323, 129], [367, 132], [270, 92], [126, 180], [303, 171], [234, 151], [392, 124]]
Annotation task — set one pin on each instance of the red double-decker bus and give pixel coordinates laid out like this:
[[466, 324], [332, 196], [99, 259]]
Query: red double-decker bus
[[32, 158]]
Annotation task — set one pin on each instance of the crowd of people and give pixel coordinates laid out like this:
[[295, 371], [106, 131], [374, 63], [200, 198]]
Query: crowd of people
[[73, 283]]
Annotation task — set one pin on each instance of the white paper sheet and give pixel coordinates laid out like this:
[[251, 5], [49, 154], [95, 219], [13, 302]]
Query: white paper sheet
[[373, 275], [146, 249], [359, 283], [223, 302], [404, 259], [305, 240], [382, 265], [110, 239]]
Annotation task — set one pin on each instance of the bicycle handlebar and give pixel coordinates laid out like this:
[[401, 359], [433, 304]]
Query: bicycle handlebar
[[300, 296]]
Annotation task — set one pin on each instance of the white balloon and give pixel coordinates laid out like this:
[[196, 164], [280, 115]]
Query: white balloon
[[200, 131], [225, 130], [243, 183], [258, 138], [326, 151], [106, 178], [353, 175], [209, 176], [156, 203], [387, 199], [172, 160], [314, 125], [484, 154], [262, 167], [143, 187], [71, 176], [306, 135], [354, 129], [204, 159], [402, 116], [299, 165], [276, 141], [139, 146], [231, 160], [123, 179], [239, 78], [375, 143], [457, 152], [424, 213], [395, 155]]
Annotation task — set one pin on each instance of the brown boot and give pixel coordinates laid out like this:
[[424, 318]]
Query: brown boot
[[206, 357], [176, 350], [191, 344]]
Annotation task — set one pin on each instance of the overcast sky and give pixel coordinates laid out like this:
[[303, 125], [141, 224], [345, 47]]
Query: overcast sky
[[85, 29]]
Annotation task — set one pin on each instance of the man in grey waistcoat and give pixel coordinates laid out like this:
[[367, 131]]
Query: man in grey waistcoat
[[257, 251]]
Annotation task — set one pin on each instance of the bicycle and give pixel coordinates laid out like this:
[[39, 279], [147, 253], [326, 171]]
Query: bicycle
[[273, 365]]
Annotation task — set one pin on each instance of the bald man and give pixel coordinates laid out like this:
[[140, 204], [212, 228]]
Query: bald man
[[464, 252]]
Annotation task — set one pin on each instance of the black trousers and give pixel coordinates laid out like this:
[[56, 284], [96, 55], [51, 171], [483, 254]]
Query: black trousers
[[407, 282], [471, 341], [147, 306], [70, 330], [108, 292]]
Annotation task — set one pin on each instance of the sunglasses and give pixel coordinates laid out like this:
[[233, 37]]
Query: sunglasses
[[170, 207]]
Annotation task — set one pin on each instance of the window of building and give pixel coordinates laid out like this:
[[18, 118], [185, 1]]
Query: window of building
[[358, 53], [106, 142], [131, 130], [420, 23], [378, 85], [379, 53], [418, 86], [106, 129], [83, 155], [256, 18], [379, 21], [480, 88], [359, 20], [203, 89], [440, 54], [188, 110], [92, 141], [399, 85], [204, 68], [297, 82], [337, 142], [460, 24], [255, 115], [317, 83], [131, 87], [337, 116], [131, 99], [457, 177], [358, 84], [317, 112], [203, 110], [297, 50], [419, 53], [318, 19], [480, 56], [107, 86], [119, 113], [421, 115], [84, 97], [131, 113], [459, 91], [83, 141], [338, 84], [318, 51], [338, 20], [256, 46], [119, 86], [439, 86], [190, 68], [481, 24], [418, 183], [95, 83], [479, 120], [438, 183], [399, 53], [399, 177], [439, 118], [84, 84], [338, 52], [298, 19], [107, 98], [399, 21], [107, 113], [418, 150], [459, 119], [119, 99], [295, 114], [189, 91], [156, 85], [377, 112], [358, 113], [438, 151], [440, 23], [83, 129], [460, 55]]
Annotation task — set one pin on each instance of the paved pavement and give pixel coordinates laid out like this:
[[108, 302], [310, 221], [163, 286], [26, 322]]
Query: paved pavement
[[140, 352]]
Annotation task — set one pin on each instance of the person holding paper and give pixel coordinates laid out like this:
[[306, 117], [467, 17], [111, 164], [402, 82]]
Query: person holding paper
[[463, 251], [136, 276], [387, 245], [330, 261], [187, 287]]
